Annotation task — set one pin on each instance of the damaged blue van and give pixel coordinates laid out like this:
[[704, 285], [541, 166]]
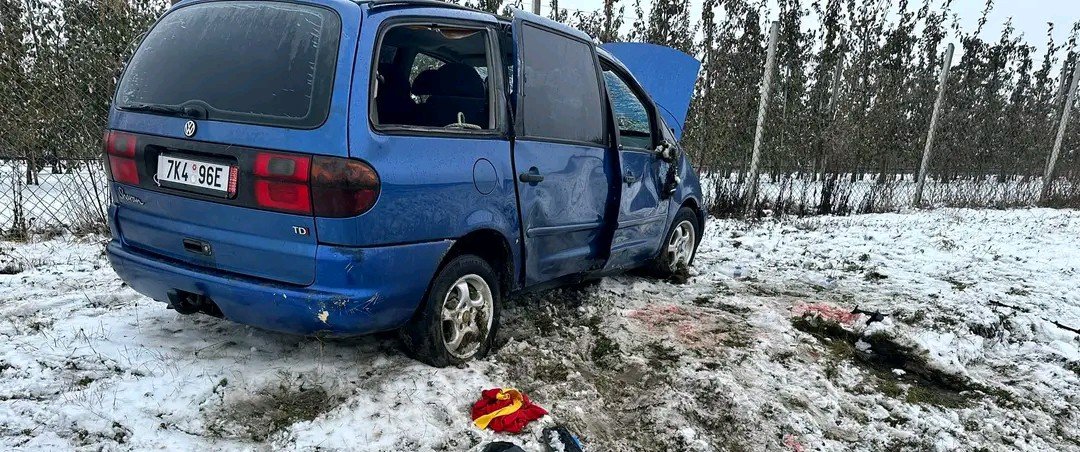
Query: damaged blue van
[[336, 168]]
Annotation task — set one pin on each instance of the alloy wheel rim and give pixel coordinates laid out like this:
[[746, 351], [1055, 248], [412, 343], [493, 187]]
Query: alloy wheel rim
[[467, 316], [680, 245]]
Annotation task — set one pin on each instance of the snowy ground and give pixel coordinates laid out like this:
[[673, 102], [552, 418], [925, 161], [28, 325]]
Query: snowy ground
[[976, 352]]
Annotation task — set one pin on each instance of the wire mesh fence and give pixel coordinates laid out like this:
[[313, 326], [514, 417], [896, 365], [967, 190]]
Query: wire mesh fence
[[865, 126], [67, 195], [800, 193], [59, 62]]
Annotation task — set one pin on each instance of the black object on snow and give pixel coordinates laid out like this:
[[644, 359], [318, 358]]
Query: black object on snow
[[561, 434], [502, 446], [873, 316]]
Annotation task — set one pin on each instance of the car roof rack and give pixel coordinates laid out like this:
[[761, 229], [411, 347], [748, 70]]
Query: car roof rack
[[431, 3]]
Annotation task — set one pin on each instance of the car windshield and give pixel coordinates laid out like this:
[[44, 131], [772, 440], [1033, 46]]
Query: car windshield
[[252, 62]]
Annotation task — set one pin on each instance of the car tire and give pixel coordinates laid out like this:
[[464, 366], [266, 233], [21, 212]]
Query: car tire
[[679, 246], [448, 329]]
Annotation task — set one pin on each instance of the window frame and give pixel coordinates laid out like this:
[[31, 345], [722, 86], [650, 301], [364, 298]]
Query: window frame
[[519, 116], [496, 96], [646, 102]]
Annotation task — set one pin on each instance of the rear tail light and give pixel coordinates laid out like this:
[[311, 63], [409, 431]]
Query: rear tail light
[[320, 186], [284, 196], [288, 167], [292, 183], [120, 144], [123, 170], [120, 151], [281, 182], [342, 187]]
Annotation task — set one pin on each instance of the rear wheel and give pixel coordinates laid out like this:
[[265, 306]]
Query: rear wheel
[[460, 315], [679, 246]]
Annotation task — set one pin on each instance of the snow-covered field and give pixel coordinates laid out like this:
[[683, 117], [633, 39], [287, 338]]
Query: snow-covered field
[[975, 352]]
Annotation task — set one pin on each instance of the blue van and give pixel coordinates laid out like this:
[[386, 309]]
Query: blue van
[[335, 168]]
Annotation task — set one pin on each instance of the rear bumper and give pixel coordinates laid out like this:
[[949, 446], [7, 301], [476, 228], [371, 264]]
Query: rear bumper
[[356, 290]]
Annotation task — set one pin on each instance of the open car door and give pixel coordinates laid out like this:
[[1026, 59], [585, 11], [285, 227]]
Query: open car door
[[668, 75]]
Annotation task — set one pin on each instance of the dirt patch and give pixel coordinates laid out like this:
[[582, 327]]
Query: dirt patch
[[957, 284], [824, 312], [271, 409], [620, 389], [1018, 291], [717, 303], [695, 328], [875, 276], [899, 370], [11, 268], [681, 275]]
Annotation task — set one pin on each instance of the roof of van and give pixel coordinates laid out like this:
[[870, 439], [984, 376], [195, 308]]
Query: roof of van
[[447, 5], [426, 3], [176, 3], [518, 13]]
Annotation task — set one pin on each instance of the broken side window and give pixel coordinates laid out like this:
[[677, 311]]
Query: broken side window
[[437, 78], [631, 115]]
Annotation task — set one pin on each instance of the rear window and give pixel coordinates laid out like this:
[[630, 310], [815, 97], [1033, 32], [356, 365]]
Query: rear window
[[252, 62]]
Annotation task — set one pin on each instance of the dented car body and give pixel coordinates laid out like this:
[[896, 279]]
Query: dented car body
[[325, 177]]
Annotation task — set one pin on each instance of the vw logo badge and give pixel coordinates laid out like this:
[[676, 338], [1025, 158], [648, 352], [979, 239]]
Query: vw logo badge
[[189, 129]]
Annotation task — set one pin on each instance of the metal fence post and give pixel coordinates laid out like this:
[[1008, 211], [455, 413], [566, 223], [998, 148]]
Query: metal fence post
[[834, 97], [1048, 177], [925, 164], [1061, 85], [766, 88], [536, 7]]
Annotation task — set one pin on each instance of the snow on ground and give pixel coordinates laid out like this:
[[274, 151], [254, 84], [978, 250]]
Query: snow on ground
[[975, 352]]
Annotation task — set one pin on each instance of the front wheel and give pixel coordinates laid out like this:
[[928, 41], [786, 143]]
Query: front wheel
[[460, 315], [679, 246]]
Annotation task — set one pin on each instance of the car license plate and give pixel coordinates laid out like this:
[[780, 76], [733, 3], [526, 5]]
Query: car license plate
[[196, 175]]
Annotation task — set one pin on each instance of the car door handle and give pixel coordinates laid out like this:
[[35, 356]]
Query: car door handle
[[531, 177], [197, 247], [629, 178]]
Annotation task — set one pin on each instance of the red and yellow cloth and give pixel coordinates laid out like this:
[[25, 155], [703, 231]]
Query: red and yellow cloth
[[505, 410]]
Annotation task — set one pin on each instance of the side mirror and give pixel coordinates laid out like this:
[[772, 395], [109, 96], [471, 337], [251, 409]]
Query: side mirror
[[667, 151]]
